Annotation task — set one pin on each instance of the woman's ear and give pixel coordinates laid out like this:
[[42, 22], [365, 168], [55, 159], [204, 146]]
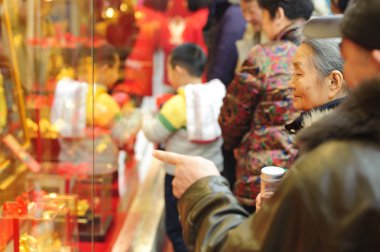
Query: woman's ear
[[336, 84]]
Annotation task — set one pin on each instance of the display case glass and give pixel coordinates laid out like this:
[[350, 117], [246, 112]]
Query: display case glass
[[42, 226], [12, 110], [43, 44], [68, 119]]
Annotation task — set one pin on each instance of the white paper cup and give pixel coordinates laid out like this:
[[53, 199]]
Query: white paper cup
[[270, 178]]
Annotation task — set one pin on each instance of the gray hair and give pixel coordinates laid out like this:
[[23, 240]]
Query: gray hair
[[327, 57]]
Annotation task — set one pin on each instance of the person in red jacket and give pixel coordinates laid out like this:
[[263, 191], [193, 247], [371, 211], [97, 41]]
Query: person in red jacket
[[181, 27]]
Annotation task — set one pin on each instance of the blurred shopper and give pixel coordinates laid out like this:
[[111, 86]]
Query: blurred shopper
[[258, 101], [253, 34], [139, 70], [228, 29], [227, 25], [83, 112], [187, 123], [330, 199]]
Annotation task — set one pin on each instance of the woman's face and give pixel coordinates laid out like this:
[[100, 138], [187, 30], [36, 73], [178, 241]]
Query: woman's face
[[252, 13], [309, 90], [273, 26]]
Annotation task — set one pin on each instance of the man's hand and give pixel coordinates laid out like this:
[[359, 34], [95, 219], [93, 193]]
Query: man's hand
[[188, 170]]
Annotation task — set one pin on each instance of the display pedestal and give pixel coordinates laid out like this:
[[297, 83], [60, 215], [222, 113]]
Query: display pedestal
[[121, 204]]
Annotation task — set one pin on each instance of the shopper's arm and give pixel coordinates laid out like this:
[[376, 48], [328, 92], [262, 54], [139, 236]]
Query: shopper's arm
[[213, 220], [171, 117]]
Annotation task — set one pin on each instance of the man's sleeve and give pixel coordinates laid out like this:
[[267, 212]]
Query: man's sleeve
[[213, 220]]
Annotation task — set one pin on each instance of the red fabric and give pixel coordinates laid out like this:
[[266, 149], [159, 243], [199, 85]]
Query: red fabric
[[177, 8], [139, 65], [195, 24], [193, 33], [122, 32]]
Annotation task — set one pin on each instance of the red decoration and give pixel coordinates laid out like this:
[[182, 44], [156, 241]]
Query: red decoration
[[81, 170], [177, 8], [121, 98], [173, 35], [123, 32]]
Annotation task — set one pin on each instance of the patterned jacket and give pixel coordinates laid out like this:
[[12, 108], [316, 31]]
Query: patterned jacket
[[256, 108]]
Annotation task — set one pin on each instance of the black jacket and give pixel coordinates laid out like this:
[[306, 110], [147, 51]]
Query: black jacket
[[329, 201]]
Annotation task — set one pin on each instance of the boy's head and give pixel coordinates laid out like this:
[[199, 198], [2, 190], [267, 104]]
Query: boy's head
[[106, 65], [186, 64]]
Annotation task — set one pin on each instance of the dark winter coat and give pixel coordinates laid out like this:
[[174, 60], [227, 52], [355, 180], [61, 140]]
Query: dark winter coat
[[329, 201]]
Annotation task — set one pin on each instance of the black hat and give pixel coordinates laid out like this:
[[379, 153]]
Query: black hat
[[360, 24]]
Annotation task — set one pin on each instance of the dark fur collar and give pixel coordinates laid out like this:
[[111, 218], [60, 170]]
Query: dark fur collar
[[312, 115], [357, 118]]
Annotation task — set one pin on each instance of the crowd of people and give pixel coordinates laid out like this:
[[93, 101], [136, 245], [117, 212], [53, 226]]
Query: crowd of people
[[305, 99]]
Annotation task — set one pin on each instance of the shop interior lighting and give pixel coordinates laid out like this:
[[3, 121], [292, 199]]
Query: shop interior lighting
[[124, 7], [110, 12]]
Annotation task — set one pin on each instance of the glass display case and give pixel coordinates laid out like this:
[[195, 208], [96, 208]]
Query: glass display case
[[61, 128], [37, 226], [94, 220], [12, 113]]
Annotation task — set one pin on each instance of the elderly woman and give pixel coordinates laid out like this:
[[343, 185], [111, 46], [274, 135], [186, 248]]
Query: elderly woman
[[317, 82], [258, 102]]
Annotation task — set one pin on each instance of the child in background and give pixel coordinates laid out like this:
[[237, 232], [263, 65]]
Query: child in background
[[86, 127], [106, 73], [187, 123], [96, 73]]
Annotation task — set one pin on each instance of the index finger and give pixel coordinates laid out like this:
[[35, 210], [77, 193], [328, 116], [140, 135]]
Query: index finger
[[169, 157]]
